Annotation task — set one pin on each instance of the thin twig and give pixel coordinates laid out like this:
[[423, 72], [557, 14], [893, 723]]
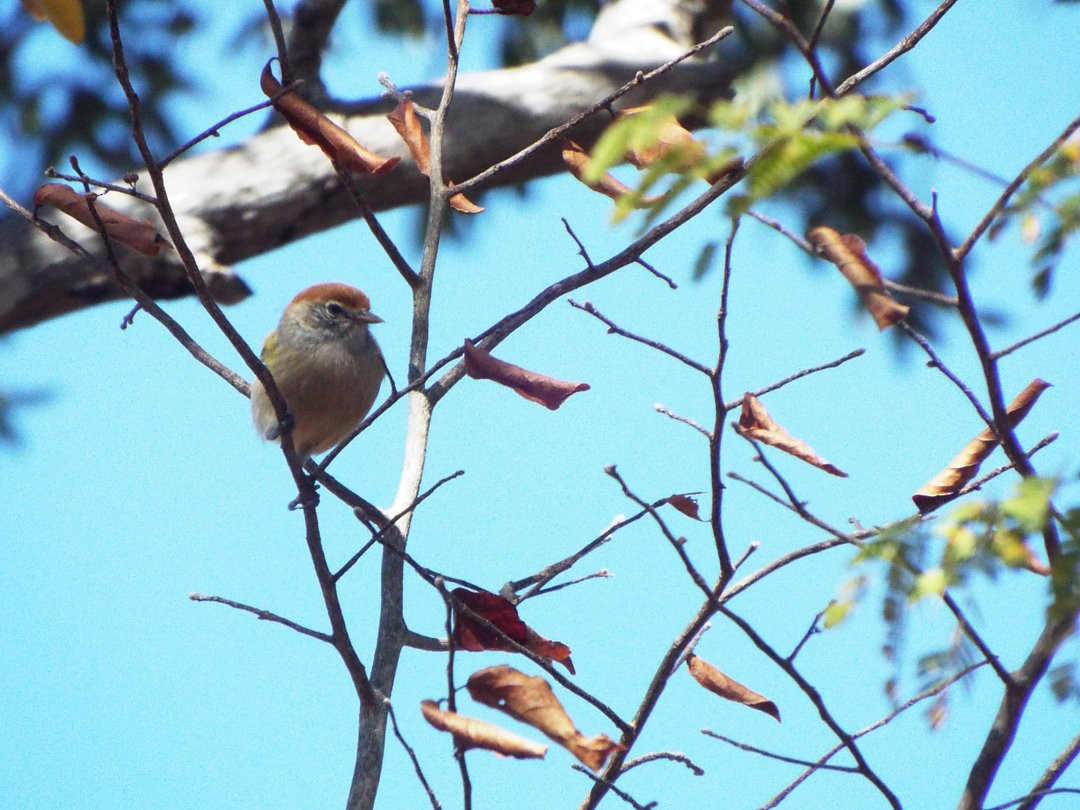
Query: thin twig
[[1037, 336], [898, 50], [412, 756], [933, 691], [605, 103], [815, 698], [684, 419], [615, 329], [677, 543], [626, 797], [215, 130], [263, 615], [999, 205], [419, 499], [791, 760], [683, 759], [737, 403], [540, 579]]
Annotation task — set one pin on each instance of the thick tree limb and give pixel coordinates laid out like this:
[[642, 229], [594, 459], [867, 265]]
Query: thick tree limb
[[271, 190]]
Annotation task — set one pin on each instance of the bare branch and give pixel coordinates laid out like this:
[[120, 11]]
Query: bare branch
[[264, 615]]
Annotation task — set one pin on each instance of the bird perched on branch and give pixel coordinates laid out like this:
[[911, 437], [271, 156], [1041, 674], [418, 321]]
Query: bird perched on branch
[[326, 364]]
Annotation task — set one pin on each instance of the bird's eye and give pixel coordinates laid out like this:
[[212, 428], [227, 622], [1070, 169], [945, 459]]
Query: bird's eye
[[335, 309]]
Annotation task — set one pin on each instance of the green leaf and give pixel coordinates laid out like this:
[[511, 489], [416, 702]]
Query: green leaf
[[1030, 506], [929, 583], [836, 612]]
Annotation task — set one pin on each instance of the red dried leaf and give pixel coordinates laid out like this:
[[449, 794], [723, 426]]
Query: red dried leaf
[[469, 634], [947, 484], [755, 423], [848, 253], [137, 234], [530, 700], [720, 684], [472, 733], [316, 129], [685, 504], [548, 391]]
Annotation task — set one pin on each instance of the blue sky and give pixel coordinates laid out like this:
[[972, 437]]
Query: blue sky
[[140, 481]]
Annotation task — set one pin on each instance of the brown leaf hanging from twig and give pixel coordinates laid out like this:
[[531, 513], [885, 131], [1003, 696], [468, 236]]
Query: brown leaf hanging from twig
[[530, 700], [407, 123], [755, 423], [848, 253], [316, 129], [472, 733], [685, 504], [947, 484], [469, 634], [548, 391], [720, 684], [137, 234], [576, 160]]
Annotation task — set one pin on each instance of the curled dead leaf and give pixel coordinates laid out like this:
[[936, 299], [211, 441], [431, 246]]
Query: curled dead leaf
[[548, 391], [720, 684], [137, 234], [472, 733], [316, 129], [848, 253], [474, 636], [576, 160], [407, 123], [755, 423], [531, 700], [947, 484]]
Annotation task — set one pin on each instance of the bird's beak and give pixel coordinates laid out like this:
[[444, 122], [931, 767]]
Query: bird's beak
[[368, 317]]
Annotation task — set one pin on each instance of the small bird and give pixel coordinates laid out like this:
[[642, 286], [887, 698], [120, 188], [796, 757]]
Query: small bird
[[325, 363]]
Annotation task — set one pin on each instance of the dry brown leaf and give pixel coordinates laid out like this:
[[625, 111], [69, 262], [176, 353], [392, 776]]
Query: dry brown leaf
[[137, 234], [316, 129], [66, 16], [548, 391], [755, 423], [530, 700], [720, 684], [472, 733], [848, 253], [685, 504], [947, 484], [469, 634], [576, 160], [407, 123], [672, 137]]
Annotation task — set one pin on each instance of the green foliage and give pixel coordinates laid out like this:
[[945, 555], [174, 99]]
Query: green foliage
[[73, 103], [786, 139], [1048, 210], [791, 137], [977, 539]]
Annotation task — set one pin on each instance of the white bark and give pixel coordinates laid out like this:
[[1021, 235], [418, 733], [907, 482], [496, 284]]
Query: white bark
[[272, 189]]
